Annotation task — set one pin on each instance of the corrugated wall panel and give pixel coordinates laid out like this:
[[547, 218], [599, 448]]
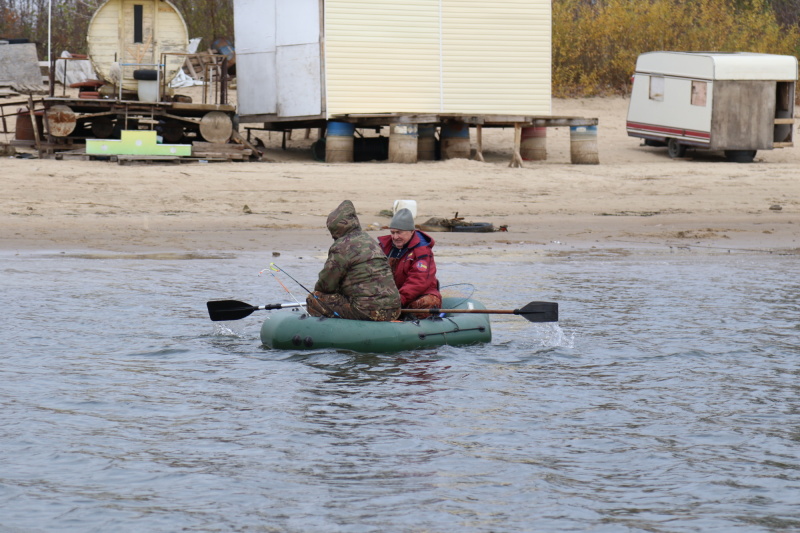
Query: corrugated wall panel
[[382, 56], [401, 56], [497, 56]]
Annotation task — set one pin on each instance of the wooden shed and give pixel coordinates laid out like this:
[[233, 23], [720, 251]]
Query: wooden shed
[[317, 59], [129, 35]]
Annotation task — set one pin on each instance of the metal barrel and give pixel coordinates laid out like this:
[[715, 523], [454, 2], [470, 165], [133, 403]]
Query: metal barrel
[[339, 142], [403, 143], [426, 142], [583, 145], [455, 140], [533, 146]]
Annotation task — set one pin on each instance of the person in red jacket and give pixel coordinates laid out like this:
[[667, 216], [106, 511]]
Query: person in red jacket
[[410, 254]]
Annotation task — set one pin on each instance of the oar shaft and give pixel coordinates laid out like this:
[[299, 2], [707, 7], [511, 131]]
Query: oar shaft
[[532, 312], [476, 311]]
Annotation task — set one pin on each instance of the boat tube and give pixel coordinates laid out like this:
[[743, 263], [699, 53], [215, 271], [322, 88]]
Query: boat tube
[[290, 330]]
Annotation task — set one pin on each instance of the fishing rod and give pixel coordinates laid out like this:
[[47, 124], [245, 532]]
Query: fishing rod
[[280, 283], [276, 268]]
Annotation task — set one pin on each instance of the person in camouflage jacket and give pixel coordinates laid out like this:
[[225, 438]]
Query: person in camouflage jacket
[[356, 282]]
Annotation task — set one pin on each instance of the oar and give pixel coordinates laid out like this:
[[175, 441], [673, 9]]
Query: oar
[[533, 312], [220, 310]]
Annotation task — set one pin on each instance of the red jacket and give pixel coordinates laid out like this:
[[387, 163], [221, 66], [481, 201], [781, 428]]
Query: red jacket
[[413, 267]]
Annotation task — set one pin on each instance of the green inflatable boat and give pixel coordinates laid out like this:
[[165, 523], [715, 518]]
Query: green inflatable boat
[[288, 330]]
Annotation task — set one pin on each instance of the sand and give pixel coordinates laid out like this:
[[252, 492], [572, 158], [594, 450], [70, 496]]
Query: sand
[[637, 198]]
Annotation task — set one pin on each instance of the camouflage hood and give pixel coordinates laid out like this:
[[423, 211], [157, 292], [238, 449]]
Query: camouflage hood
[[343, 220]]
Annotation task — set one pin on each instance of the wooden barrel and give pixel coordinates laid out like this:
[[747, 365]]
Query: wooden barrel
[[455, 140], [403, 143], [339, 142], [583, 145], [426, 142], [534, 144]]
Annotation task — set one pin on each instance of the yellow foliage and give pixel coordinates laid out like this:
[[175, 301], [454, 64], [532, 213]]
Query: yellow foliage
[[596, 42]]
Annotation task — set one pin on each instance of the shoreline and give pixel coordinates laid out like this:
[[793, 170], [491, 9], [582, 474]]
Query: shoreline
[[637, 198]]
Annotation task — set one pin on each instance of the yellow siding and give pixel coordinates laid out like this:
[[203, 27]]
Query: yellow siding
[[496, 56], [382, 56], [401, 56]]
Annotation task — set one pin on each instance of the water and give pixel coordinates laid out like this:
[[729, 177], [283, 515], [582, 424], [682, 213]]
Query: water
[[667, 399]]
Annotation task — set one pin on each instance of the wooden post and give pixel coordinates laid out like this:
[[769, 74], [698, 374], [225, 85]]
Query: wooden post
[[479, 146], [516, 159], [35, 126]]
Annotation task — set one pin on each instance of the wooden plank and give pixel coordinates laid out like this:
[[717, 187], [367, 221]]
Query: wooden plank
[[742, 115]]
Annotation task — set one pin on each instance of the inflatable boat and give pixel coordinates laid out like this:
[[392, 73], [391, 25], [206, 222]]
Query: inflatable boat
[[296, 330]]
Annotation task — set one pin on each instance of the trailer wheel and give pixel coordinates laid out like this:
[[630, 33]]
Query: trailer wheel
[[676, 149], [740, 156]]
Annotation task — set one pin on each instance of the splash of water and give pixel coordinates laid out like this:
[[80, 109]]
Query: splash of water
[[550, 335]]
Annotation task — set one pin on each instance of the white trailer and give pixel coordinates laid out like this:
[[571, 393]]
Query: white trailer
[[738, 102]]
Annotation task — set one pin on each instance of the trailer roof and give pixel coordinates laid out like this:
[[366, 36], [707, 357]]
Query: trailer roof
[[719, 65]]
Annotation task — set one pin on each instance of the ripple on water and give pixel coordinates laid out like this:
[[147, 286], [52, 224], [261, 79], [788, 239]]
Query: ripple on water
[[664, 400]]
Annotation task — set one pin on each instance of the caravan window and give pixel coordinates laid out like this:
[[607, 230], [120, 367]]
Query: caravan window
[[699, 91], [657, 88]]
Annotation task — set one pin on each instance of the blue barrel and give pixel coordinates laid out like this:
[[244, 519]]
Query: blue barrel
[[455, 130], [426, 143], [339, 142], [455, 140], [340, 129]]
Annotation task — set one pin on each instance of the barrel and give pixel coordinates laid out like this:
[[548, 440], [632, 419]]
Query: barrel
[[403, 143], [455, 140], [534, 144], [147, 88], [23, 131], [583, 145], [339, 142], [426, 142]]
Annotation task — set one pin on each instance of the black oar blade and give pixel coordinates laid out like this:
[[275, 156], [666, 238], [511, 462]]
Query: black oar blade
[[220, 310], [539, 312]]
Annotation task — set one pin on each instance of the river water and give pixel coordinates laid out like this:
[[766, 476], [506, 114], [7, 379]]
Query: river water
[[666, 399]]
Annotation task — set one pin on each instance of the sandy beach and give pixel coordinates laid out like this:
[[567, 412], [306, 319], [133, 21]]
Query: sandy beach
[[636, 198]]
